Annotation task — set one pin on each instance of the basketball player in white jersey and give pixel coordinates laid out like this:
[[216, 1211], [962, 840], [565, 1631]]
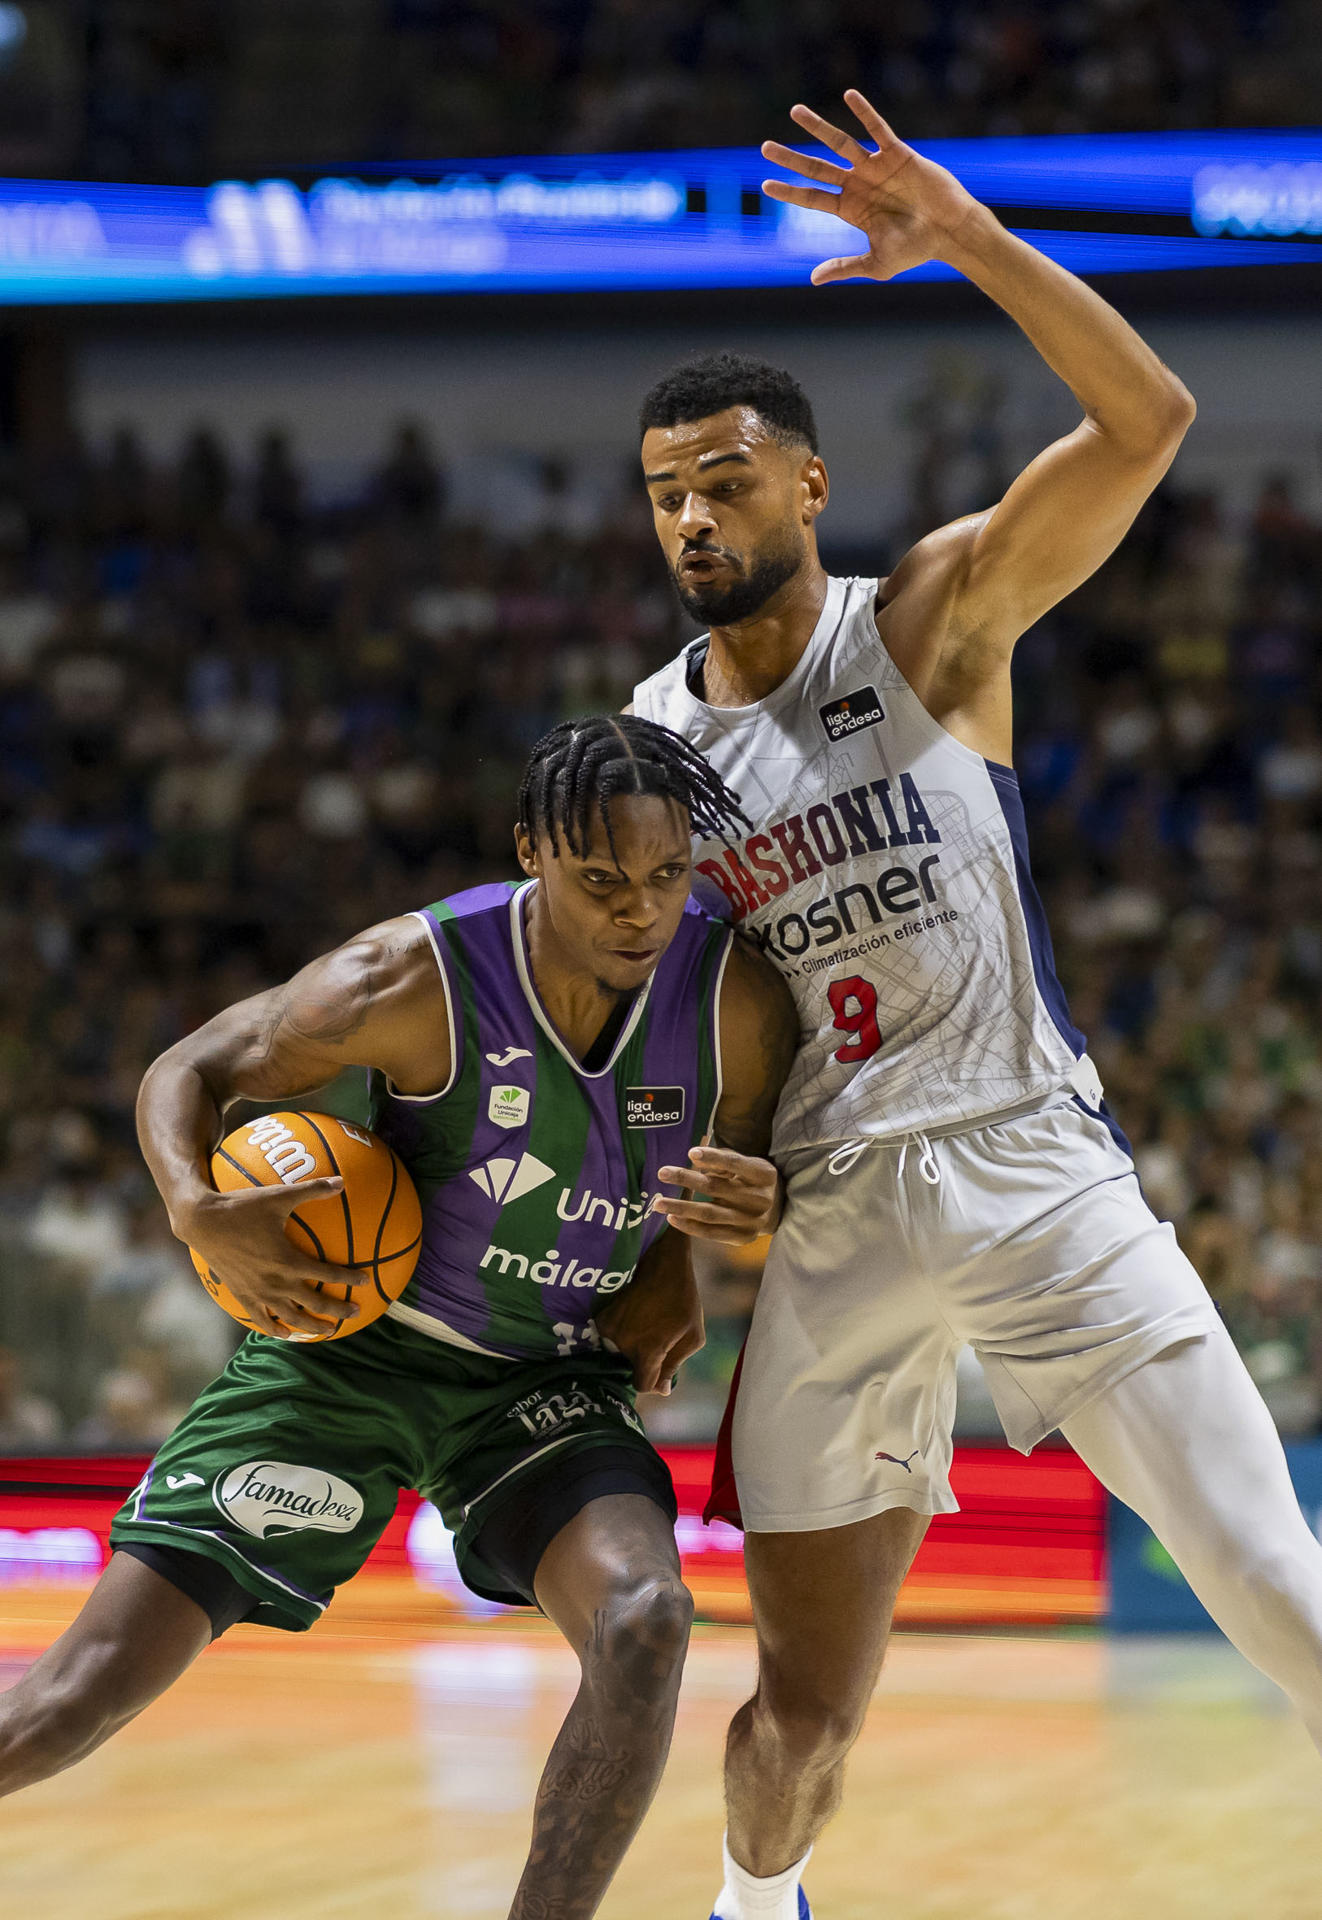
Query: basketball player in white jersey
[[951, 1172]]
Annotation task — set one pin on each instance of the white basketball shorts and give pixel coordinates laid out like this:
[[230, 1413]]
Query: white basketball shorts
[[1028, 1238]]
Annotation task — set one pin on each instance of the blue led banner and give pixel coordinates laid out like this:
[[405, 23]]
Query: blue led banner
[[1099, 204]]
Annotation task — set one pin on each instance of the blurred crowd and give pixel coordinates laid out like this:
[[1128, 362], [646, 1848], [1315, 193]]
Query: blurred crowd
[[235, 725], [239, 720], [603, 75], [195, 90]]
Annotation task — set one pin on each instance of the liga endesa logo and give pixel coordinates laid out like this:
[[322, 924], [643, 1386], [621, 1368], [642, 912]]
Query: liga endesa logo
[[851, 713], [274, 1496], [653, 1107]]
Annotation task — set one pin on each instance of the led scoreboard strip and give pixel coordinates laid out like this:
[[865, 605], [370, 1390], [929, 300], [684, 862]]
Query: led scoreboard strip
[[1098, 203], [1027, 1547]]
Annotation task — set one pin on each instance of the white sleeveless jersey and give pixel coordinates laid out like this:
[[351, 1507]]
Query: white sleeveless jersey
[[888, 879]]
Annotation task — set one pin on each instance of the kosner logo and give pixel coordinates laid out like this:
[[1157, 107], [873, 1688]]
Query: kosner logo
[[882, 816], [280, 1150], [273, 1496]]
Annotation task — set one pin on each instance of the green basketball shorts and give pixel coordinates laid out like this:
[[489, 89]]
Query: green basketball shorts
[[288, 1467]]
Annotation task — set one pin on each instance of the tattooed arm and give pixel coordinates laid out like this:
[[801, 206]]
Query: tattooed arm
[[611, 1582], [378, 1001], [759, 1035]]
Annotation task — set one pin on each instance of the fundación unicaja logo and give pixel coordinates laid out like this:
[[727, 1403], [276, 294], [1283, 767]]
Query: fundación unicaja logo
[[509, 1106], [274, 1496]]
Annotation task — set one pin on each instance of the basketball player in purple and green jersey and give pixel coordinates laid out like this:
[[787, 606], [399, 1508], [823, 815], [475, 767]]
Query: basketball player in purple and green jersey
[[545, 1058]]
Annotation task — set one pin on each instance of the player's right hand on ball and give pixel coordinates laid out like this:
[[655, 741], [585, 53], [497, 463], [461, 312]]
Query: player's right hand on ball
[[241, 1236]]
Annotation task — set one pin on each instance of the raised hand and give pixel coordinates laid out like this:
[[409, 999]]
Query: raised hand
[[910, 209]]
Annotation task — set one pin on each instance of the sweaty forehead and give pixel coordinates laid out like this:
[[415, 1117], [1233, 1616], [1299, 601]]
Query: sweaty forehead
[[649, 829], [694, 443]]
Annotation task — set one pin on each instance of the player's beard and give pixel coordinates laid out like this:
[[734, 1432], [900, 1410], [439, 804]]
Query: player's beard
[[726, 604]]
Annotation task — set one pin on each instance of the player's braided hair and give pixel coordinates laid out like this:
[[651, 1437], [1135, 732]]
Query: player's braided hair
[[576, 768]]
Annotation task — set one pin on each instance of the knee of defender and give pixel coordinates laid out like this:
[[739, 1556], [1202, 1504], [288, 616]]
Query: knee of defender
[[643, 1631], [1286, 1594]]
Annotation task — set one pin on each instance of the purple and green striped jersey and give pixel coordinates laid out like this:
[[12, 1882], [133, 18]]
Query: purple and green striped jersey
[[536, 1177]]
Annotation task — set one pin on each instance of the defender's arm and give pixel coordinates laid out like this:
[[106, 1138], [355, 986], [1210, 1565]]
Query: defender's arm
[[972, 588], [759, 1034], [657, 1320], [1071, 506]]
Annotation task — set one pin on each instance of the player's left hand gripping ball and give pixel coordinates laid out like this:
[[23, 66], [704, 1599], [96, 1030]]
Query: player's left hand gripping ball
[[372, 1227]]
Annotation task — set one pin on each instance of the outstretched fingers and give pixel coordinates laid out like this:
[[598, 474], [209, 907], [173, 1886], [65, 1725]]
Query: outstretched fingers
[[868, 117], [808, 164], [830, 136], [301, 1274], [292, 1319], [729, 1173], [815, 197], [307, 1308], [709, 1220]]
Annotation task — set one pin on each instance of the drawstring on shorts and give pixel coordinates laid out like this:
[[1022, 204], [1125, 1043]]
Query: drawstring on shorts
[[928, 1165], [844, 1157]]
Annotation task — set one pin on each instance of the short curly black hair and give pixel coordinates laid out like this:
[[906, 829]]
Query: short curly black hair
[[716, 381]]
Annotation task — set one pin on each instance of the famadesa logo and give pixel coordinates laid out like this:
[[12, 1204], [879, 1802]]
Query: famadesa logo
[[274, 1496]]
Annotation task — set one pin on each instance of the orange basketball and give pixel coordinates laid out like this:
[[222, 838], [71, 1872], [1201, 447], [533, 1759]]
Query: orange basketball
[[374, 1225]]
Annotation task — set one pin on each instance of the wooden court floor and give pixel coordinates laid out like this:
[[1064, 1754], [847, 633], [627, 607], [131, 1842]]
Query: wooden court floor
[[378, 1767]]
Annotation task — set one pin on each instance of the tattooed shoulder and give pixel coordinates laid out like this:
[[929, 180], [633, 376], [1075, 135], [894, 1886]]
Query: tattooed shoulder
[[331, 1004], [330, 1000]]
